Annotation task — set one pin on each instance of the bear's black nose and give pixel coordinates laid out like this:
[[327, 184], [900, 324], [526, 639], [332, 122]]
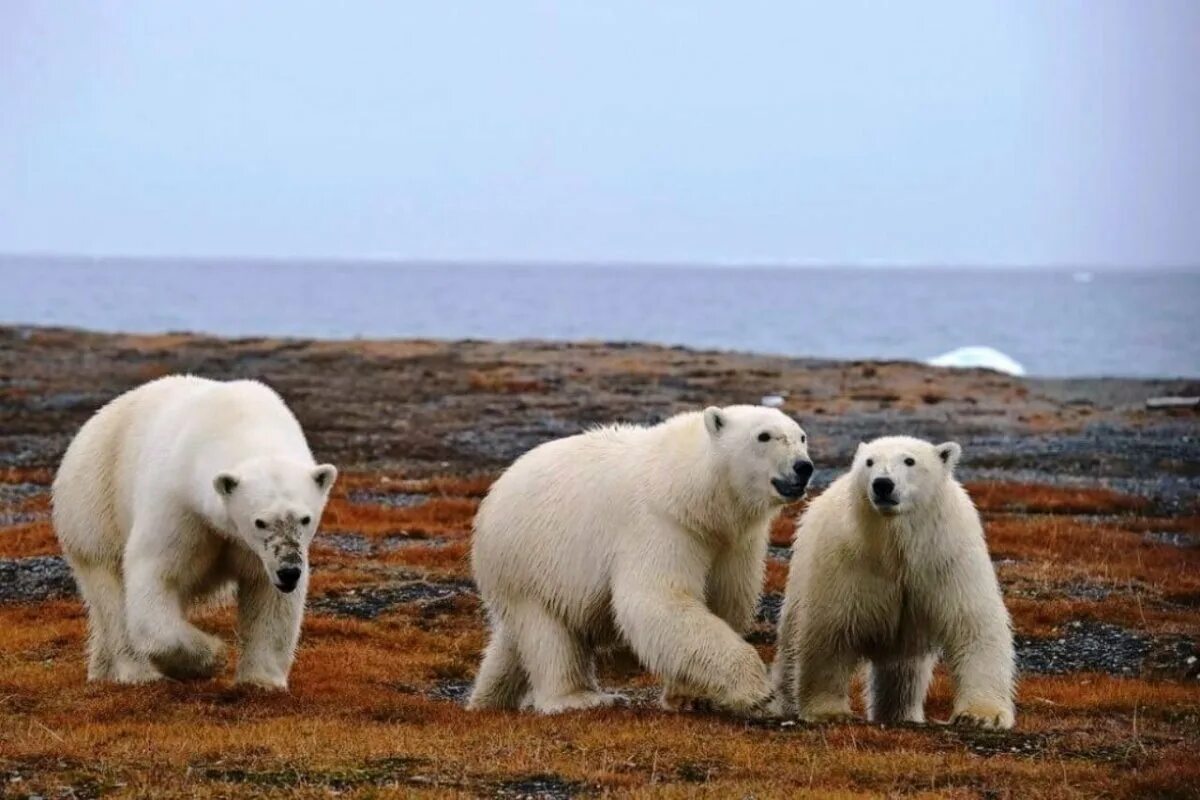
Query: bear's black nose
[[804, 469], [883, 487], [288, 577]]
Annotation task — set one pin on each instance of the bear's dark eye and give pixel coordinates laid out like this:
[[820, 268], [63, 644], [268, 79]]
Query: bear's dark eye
[[764, 437], [870, 462], [803, 438], [260, 523], [909, 462], [305, 520]]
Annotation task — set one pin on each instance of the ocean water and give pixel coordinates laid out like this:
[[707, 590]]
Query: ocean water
[[1054, 322]]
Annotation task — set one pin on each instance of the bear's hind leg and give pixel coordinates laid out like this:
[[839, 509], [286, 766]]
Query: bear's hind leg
[[557, 662], [823, 682], [103, 599], [501, 682], [897, 687]]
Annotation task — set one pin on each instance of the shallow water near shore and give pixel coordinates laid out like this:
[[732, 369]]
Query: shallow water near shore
[[1059, 323]]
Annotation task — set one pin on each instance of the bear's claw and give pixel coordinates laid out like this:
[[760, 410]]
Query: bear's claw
[[986, 717], [579, 701], [828, 717]]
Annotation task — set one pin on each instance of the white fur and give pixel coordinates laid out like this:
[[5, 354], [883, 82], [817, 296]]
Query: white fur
[[155, 505], [896, 586], [651, 535]]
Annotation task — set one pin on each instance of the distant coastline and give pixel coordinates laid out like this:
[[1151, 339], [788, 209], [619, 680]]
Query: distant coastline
[[1062, 322], [403, 262]]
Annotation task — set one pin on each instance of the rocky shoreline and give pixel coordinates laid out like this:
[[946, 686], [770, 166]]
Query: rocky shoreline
[[425, 406]]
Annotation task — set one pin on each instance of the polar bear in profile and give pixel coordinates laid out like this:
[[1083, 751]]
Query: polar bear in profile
[[654, 536], [890, 565], [172, 492]]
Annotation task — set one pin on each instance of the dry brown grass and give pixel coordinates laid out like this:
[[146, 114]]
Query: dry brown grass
[[438, 516], [1037, 499], [28, 539], [504, 381], [390, 483], [1101, 552], [364, 717], [38, 475]]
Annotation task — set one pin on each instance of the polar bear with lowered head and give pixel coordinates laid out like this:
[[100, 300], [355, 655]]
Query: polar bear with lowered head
[[889, 564], [651, 536], [169, 494]]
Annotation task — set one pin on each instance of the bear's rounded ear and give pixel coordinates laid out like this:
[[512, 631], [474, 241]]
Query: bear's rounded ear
[[949, 452], [714, 420], [225, 483], [324, 476]]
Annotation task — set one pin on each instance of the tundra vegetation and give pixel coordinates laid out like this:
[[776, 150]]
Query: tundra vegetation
[[1088, 502]]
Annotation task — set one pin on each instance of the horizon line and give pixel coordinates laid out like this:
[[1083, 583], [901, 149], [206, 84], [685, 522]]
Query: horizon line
[[749, 264]]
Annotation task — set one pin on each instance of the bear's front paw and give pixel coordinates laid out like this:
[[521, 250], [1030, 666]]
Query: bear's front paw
[[781, 707], [260, 680], [822, 717], [748, 690], [201, 658], [683, 702], [577, 701], [135, 671], [984, 714], [679, 696], [833, 709], [756, 702]]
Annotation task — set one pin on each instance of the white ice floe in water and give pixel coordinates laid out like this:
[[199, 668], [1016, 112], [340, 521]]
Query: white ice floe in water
[[978, 356]]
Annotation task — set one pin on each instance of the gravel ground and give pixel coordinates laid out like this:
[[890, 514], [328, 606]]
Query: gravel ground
[[20, 518], [1083, 646], [31, 580], [390, 499], [539, 787], [351, 543], [769, 606], [13, 493], [1175, 539], [1088, 646], [452, 691], [369, 602], [1073, 590]]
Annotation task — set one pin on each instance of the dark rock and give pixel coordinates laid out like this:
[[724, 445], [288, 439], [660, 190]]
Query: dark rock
[[30, 580], [453, 691], [368, 602], [390, 499], [769, 606], [504, 439], [779, 553], [353, 543], [538, 787], [1085, 646], [1173, 538]]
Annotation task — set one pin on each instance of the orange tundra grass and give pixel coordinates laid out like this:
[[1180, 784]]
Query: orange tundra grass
[[366, 715]]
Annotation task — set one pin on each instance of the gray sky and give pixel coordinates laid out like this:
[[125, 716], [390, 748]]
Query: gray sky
[[1010, 132]]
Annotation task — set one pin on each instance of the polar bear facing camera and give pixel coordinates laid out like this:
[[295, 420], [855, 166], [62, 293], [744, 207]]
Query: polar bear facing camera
[[172, 492], [654, 536], [890, 565]]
